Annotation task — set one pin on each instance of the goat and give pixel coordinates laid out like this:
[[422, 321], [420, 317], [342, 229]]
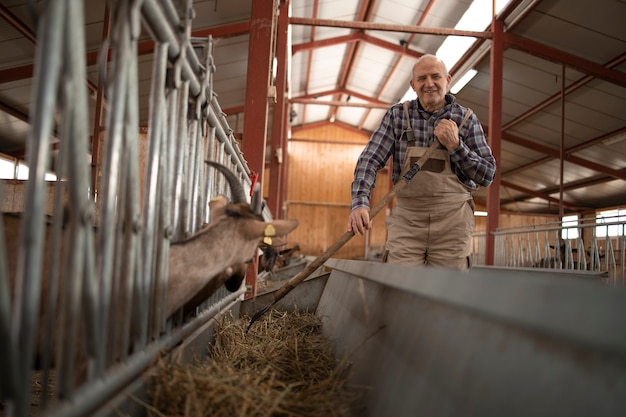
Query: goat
[[251, 230], [196, 264], [273, 258]]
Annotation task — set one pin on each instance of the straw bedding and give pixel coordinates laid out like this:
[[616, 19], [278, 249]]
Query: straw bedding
[[283, 366]]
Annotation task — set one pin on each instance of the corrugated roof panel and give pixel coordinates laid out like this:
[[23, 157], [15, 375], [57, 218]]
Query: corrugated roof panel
[[603, 26], [297, 84], [315, 113], [325, 72], [372, 66], [339, 9], [352, 115], [373, 119], [231, 57], [611, 156], [214, 12]]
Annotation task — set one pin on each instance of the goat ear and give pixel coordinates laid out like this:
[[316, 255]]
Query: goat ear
[[283, 227], [217, 206], [272, 229]]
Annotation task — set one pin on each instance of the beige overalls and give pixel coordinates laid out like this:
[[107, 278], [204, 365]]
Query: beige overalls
[[433, 219]]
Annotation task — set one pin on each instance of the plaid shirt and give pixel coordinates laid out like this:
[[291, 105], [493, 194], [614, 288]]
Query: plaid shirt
[[473, 162]]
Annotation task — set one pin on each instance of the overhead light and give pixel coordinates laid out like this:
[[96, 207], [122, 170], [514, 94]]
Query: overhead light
[[480, 213], [466, 78], [614, 139], [476, 18]]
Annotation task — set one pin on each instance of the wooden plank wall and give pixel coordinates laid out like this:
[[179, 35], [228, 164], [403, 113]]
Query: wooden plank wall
[[321, 166]]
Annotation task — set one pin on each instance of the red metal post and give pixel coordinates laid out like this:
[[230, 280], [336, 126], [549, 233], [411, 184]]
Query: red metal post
[[260, 57], [279, 127], [495, 136]]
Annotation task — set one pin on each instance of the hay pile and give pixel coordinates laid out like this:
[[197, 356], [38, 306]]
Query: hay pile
[[282, 367]]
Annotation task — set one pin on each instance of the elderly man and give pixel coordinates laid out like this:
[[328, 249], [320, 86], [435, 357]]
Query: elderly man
[[433, 220]]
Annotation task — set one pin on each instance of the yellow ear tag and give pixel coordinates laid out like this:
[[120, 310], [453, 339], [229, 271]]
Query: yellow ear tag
[[269, 231]]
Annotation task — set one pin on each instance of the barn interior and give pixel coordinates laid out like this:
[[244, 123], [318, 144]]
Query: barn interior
[[109, 108]]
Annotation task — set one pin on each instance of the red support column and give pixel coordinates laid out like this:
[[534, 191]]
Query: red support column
[[495, 135], [277, 176], [260, 57]]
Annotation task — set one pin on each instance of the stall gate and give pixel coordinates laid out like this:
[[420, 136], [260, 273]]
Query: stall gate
[[106, 264], [599, 248]]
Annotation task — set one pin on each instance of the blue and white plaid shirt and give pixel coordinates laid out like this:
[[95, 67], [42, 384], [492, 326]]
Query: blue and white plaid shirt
[[473, 162]]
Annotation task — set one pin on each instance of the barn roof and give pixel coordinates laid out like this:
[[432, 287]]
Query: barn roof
[[563, 103]]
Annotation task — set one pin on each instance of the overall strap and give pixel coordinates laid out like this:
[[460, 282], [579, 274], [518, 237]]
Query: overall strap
[[410, 135], [466, 117], [405, 105]]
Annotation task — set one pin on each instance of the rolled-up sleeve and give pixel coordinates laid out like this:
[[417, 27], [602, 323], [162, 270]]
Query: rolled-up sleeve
[[373, 157]]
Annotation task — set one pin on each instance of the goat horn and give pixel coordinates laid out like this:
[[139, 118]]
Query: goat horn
[[239, 194]]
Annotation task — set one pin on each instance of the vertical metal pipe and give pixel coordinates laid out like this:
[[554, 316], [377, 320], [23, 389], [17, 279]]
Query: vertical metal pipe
[[210, 173], [150, 201], [28, 285], [111, 167], [131, 260], [191, 174], [132, 216], [180, 146], [80, 226], [53, 252], [81, 223]]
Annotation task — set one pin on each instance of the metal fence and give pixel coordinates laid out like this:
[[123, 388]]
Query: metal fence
[[102, 289], [599, 246]]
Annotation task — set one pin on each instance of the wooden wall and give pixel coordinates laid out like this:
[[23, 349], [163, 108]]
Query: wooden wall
[[321, 166]]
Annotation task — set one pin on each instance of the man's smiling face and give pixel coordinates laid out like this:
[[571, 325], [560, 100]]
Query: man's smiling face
[[431, 82]]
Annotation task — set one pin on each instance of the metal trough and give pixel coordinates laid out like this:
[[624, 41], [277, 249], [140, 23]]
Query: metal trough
[[485, 343], [435, 342]]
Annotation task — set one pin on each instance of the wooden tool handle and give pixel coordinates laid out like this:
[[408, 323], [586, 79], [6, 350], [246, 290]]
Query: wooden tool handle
[[345, 238], [339, 243]]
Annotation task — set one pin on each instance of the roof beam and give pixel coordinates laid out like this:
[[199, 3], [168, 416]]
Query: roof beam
[[17, 23], [143, 48], [13, 74], [224, 31], [556, 55], [554, 153], [556, 97], [387, 27], [539, 194], [12, 111], [338, 103], [342, 91], [355, 37], [323, 43]]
